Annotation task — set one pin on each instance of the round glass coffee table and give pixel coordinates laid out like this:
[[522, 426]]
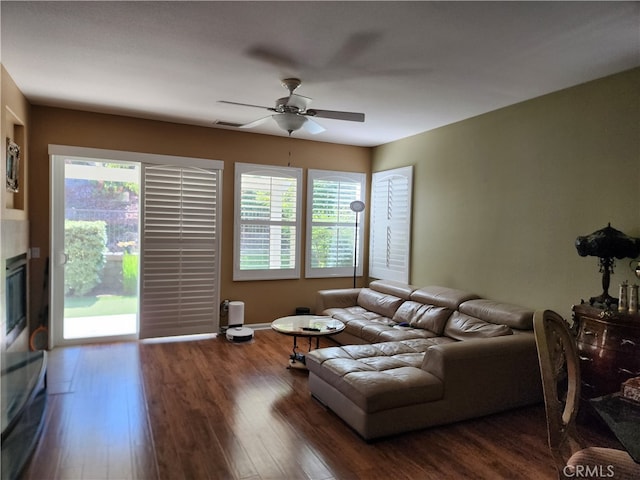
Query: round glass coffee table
[[310, 326]]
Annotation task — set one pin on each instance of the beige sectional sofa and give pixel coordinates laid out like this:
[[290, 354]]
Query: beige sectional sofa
[[417, 357]]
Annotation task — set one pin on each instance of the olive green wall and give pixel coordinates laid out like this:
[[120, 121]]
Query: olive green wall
[[499, 199], [264, 301]]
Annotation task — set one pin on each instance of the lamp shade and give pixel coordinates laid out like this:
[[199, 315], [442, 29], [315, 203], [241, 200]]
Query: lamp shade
[[608, 243], [357, 206], [289, 121]]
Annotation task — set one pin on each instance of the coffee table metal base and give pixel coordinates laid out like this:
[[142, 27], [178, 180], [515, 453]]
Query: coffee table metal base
[[310, 326], [297, 360]]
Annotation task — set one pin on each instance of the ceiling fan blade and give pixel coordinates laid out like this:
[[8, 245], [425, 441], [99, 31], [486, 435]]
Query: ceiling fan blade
[[245, 105], [355, 46], [298, 101], [273, 56], [255, 123], [350, 116], [312, 126]]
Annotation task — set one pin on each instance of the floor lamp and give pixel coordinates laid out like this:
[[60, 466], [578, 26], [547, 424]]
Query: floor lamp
[[356, 206]]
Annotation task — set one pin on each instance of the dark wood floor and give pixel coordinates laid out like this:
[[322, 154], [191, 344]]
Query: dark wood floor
[[211, 409]]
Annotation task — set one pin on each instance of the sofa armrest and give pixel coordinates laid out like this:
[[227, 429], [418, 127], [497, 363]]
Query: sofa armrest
[[490, 370], [336, 298]]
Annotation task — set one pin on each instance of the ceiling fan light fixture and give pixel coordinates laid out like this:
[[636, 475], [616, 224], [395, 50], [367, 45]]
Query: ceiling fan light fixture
[[289, 121], [292, 112]]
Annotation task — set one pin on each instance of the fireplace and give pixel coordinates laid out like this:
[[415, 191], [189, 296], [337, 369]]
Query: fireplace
[[16, 297]]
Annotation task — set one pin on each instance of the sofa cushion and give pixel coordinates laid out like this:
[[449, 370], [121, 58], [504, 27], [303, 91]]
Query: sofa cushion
[[462, 327], [383, 329], [426, 317], [404, 333], [375, 391], [356, 319], [398, 289], [442, 296], [378, 377], [372, 331], [508, 314], [381, 303], [350, 314], [409, 353]]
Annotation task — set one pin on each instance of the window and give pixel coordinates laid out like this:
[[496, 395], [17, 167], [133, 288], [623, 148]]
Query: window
[[389, 249], [267, 226], [331, 223]]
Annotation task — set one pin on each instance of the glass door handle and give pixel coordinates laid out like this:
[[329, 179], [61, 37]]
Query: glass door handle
[[64, 258]]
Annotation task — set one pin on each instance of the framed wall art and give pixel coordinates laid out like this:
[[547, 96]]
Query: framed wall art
[[13, 166]]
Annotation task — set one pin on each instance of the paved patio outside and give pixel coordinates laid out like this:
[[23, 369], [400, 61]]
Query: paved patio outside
[[100, 326]]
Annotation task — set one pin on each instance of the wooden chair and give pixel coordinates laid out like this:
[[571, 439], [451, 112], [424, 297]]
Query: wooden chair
[[560, 370]]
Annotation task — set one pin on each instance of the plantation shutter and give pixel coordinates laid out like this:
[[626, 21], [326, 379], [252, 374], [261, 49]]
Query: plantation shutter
[[267, 222], [331, 223], [389, 248], [180, 262]]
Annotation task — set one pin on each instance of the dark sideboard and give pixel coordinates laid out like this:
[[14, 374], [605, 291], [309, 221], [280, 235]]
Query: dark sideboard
[[608, 347]]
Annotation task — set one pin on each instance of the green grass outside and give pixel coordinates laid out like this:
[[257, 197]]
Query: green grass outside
[[98, 306]]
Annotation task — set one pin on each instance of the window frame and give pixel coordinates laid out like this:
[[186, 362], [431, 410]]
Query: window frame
[[346, 177], [268, 273]]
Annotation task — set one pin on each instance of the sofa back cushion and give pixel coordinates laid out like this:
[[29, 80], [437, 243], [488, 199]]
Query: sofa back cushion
[[381, 303], [426, 317], [442, 296], [398, 289], [507, 314], [464, 327]]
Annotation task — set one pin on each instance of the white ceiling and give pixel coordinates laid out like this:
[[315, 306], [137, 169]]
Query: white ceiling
[[409, 66]]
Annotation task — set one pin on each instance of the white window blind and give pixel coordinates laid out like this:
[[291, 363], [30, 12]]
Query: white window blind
[[331, 223], [389, 248], [180, 240], [267, 222]]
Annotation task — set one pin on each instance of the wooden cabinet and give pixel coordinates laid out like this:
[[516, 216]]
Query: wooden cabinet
[[608, 347]]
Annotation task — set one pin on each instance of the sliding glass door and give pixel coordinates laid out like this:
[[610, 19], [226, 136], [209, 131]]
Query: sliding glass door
[[134, 245], [96, 246]]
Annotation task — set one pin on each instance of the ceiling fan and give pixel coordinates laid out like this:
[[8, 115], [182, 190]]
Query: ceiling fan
[[293, 112]]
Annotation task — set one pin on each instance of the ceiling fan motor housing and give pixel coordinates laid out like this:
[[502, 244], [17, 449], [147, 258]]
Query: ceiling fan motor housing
[[282, 107]]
